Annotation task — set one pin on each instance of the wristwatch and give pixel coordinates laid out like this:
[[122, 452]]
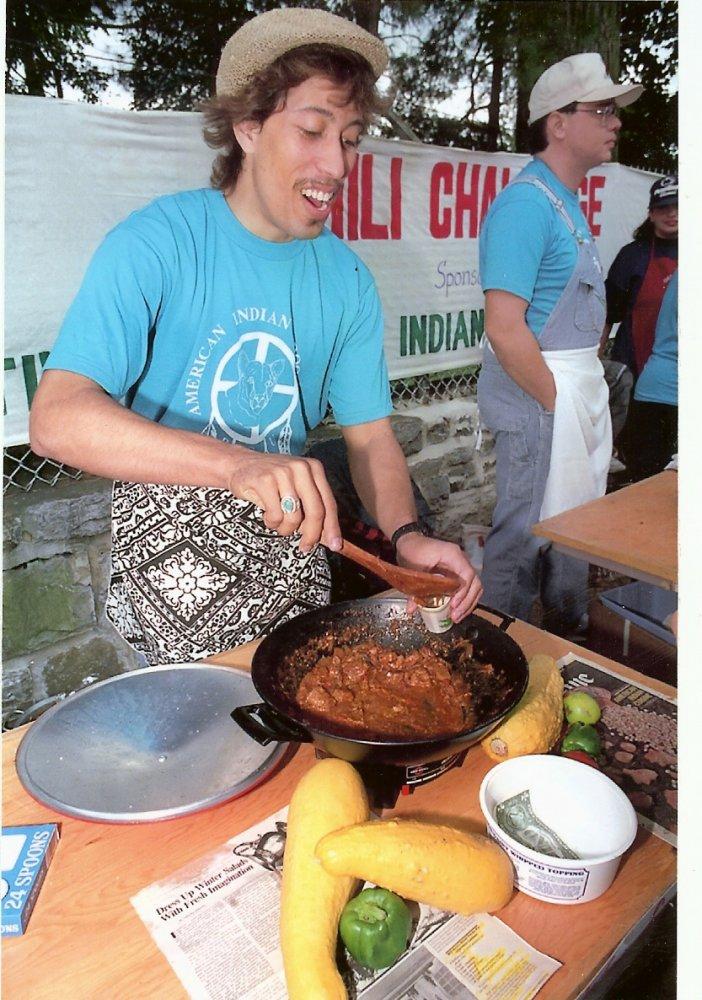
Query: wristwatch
[[406, 529]]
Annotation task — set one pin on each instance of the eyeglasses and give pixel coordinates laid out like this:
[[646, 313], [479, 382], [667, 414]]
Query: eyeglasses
[[604, 113]]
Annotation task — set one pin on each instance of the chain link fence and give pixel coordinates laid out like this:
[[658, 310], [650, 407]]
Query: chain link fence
[[22, 469], [460, 383]]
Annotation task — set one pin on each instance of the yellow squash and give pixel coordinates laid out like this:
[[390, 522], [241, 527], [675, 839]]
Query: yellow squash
[[329, 796], [534, 725], [439, 865]]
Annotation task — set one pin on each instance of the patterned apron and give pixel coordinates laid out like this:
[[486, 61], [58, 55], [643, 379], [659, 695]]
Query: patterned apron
[[195, 571]]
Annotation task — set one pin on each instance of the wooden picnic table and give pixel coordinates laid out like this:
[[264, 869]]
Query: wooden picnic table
[[85, 939], [632, 531]]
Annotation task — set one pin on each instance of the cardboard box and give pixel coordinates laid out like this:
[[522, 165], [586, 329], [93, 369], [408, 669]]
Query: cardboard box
[[26, 853]]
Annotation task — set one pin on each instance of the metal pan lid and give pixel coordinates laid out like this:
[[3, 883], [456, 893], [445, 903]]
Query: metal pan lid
[[148, 745]]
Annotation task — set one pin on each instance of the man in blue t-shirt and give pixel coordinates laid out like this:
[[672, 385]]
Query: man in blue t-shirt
[[544, 314], [227, 320]]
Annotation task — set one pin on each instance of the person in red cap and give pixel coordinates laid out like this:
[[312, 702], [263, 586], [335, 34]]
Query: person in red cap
[[541, 390], [228, 319]]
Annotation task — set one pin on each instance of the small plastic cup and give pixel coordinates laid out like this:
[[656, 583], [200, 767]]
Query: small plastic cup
[[435, 614]]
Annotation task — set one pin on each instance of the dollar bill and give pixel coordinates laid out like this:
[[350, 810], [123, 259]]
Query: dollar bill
[[517, 818]]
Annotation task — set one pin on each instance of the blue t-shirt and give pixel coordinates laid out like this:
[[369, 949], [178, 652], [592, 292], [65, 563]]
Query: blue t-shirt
[[201, 325], [658, 382], [526, 247]]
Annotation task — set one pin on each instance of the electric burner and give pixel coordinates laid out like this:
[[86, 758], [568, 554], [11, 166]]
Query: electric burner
[[386, 782]]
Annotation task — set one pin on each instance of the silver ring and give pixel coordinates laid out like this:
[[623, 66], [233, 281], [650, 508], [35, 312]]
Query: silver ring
[[289, 505]]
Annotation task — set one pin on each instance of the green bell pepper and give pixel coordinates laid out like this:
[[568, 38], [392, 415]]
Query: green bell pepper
[[375, 927], [582, 737]]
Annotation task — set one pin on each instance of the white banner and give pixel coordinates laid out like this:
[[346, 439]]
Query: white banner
[[412, 212]]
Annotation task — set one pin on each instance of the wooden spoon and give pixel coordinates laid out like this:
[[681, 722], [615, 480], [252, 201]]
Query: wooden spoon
[[413, 582]]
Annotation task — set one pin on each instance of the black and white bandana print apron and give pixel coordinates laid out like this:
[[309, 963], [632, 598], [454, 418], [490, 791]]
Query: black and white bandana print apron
[[195, 571]]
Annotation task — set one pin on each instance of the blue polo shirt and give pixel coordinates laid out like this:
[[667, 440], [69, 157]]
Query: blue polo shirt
[[526, 247]]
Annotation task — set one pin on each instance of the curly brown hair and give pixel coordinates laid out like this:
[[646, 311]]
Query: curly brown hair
[[266, 94]]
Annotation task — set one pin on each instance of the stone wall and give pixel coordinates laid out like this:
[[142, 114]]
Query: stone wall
[[456, 479], [56, 638], [56, 562]]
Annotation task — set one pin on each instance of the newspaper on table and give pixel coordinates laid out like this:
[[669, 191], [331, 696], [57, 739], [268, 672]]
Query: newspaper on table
[[216, 921], [639, 730]]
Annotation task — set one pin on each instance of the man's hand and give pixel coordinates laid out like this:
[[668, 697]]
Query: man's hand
[[265, 479], [381, 476], [431, 554]]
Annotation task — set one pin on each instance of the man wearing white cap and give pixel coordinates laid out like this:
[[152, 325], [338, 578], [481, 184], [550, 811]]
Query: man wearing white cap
[[228, 319], [541, 389]]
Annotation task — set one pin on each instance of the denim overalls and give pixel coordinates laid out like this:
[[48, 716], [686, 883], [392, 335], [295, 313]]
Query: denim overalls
[[523, 431]]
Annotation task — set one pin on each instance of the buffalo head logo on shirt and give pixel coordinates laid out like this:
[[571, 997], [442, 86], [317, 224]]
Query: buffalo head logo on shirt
[[255, 392]]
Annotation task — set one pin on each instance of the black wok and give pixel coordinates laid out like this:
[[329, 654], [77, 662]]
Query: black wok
[[276, 674]]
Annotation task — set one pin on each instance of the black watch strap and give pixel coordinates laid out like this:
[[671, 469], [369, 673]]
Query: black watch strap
[[406, 529]]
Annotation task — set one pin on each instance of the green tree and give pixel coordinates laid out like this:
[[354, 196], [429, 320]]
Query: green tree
[[488, 52], [363, 12], [649, 55], [175, 45], [435, 53], [45, 47], [544, 32], [493, 52], [638, 42]]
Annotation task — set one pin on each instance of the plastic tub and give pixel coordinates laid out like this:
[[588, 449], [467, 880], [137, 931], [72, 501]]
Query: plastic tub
[[436, 615], [644, 605], [580, 804]]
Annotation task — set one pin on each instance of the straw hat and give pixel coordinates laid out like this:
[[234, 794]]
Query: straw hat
[[263, 39]]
